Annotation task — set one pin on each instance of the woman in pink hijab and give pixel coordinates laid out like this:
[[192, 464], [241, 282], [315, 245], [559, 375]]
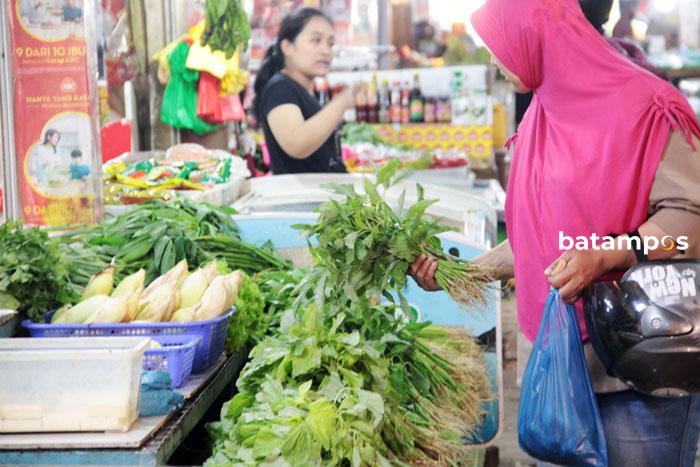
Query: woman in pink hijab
[[605, 148]]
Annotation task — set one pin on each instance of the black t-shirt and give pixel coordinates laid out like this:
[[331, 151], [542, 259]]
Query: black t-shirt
[[280, 90]]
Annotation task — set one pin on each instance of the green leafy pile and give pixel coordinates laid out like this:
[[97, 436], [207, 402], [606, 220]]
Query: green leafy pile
[[249, 322], [226, 26], [356, 388], [365, 247], [31, 270], [157, 235]]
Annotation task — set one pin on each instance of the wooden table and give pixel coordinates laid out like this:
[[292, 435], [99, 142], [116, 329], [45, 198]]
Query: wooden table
[[150, 441]]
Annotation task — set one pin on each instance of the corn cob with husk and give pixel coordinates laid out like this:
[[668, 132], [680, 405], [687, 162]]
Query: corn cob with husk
[[196, 284], [101, 283], [79, 313], [184, 315], [214, 301], [160, 304], [130, 284], [175, 276], [113, 310]]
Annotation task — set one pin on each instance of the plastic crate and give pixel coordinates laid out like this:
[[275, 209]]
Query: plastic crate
[[209, 348], [63, 385], [175, 355]]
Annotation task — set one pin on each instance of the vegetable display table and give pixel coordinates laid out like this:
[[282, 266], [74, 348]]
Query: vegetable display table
[[150, 441]]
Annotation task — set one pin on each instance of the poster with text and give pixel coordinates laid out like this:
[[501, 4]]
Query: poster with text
[[54, 116]]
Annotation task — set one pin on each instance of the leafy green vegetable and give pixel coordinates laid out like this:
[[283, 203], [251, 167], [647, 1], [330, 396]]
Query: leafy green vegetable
[[226, 26], [31, 270], [362, 388], [249, 322], [365, 248]]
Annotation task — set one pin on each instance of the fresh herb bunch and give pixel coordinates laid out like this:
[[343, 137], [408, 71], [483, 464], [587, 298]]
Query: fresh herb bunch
[[226, 26], [355, 388], [31, 270], [157, 235], [365, 247]]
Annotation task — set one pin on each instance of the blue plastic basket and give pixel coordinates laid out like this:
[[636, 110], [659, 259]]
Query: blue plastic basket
[[212, 333], [175, 355]]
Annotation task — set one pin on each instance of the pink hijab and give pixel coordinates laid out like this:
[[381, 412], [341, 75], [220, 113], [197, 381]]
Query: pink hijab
[[590, 143]]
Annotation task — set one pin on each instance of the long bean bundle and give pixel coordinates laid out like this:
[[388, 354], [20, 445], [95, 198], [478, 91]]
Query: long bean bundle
[[156, 236]]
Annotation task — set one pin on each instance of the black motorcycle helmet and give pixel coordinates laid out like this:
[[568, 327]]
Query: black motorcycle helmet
[[645, 328]]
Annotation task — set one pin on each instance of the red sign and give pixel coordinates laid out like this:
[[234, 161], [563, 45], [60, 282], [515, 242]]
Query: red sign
[[54, 132]]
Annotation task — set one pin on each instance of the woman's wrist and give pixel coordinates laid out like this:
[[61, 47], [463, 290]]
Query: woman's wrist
[[617, 258]]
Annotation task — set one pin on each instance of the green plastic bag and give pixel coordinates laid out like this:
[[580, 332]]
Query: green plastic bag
[[179, 108]]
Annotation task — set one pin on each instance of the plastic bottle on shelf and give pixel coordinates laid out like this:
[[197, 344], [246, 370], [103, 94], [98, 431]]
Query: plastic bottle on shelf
[[395, 109], [384, 102], [417, 101], [406, 104], [361, 108], [372, 101]]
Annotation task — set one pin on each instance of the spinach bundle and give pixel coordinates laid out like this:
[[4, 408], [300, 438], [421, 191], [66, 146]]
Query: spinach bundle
[[365, 247], [31, 270]]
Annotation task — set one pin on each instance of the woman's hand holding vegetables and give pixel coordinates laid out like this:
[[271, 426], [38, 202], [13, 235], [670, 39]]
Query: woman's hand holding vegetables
[[423, 272]]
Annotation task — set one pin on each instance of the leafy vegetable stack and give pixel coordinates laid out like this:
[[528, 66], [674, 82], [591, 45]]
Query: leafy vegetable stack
[[365, 247], [356, 388]]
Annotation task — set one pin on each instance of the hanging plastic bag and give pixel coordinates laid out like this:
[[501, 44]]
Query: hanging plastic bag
[[558, 420], [179, 108], [208, 103], [231, 108]]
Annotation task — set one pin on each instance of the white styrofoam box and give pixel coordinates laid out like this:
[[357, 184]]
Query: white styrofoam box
[[66, 384], [434, 82]]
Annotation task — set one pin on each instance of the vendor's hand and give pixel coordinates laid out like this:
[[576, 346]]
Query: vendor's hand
[[349, 94], [423, 271], [574, 270]]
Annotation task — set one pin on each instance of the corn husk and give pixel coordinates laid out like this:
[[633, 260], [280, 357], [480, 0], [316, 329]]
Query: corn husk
[[130, 283], [101, 283], [112, 311], [193, 288], [210, 271], [132, 306], [214, 301], [233, 284], [160, 305], [176, 276], [184, 315], [79, 313], [57, 317]]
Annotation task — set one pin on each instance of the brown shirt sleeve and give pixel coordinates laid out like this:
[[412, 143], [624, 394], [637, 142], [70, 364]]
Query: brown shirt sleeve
[[674, 201]]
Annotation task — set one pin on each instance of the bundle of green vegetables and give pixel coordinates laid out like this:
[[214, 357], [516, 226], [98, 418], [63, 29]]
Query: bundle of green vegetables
[[32, 277], [355, 388], [157, 235], [365, 247], [249, 323], [226, 26]]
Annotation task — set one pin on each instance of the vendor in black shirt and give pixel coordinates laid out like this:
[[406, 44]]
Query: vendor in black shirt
[[300, 135]]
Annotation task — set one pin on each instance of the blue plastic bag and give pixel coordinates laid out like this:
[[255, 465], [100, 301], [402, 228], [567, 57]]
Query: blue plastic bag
[[156, 396], [558, 420]]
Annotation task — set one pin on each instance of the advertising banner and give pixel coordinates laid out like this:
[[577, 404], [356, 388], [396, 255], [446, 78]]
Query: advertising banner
[[54, 111]]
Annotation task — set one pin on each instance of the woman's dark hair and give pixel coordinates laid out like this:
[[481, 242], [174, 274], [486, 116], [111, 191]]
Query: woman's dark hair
[[47, 136], [597, 12], [291, 27]]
